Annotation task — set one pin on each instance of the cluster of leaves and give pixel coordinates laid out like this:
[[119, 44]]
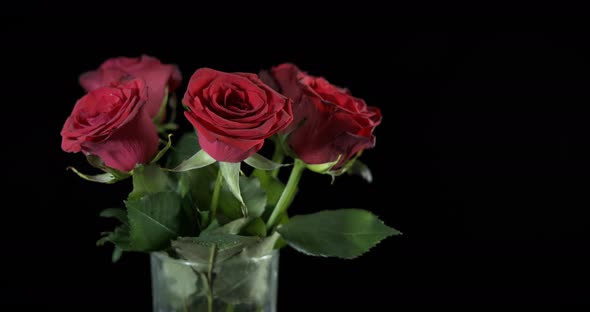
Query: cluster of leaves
[[213, 213], [166, 205]]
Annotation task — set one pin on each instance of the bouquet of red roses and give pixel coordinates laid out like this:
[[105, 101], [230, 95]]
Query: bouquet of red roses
[[213, 225]]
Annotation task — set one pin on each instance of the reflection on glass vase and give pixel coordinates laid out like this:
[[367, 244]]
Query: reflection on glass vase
[[238, 284]]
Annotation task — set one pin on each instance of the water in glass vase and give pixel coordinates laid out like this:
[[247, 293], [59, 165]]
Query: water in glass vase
[[238, 284]]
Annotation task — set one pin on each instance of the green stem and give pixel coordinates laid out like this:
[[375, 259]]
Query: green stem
[[277, 157], [215, 197], [210, 278], [288, 193], [184, 305], [210, 302], [229, 308]]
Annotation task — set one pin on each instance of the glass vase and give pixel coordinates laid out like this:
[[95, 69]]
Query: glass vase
[[237, 284]]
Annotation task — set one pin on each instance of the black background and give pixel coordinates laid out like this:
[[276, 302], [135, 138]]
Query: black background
[[482, 160]]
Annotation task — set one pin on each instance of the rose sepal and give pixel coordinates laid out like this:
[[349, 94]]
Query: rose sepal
[[169, 101], [163, 151], [324, 168], [258, 161], [106, 178], [199, 160], [110, 176], [353, 167]]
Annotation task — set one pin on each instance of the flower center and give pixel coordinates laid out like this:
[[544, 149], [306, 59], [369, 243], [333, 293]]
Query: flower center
[[234, 99]]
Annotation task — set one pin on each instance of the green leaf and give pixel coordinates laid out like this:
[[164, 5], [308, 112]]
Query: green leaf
[[214, 225], [256, 227], [183, 184], [180, 280], [178, 284], [244, 226], [242, 279], [187, 146], [163, 150], [254, 197], [117, 213], [281, 242], [155, 220], [260, 162], [231, 176], [199, 160], [263, 248], [120, 238], [273, 187], [198, 184], [344, 233], [190, 217], [234, 227], [107, 178], [148, 179], [199, 249]]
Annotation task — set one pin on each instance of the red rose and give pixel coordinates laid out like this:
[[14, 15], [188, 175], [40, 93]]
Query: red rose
[[111, 122], [234, 113], [156, 75], [328, 120]]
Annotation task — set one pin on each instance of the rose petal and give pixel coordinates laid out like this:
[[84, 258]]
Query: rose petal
[[136, 142], [233, 113]]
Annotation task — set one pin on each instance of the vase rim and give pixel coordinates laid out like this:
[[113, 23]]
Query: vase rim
[[164, 256]]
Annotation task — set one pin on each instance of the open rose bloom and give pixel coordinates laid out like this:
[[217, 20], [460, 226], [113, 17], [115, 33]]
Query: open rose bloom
[[209, 208], [111, 122], [234, 113], [330, 124]]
